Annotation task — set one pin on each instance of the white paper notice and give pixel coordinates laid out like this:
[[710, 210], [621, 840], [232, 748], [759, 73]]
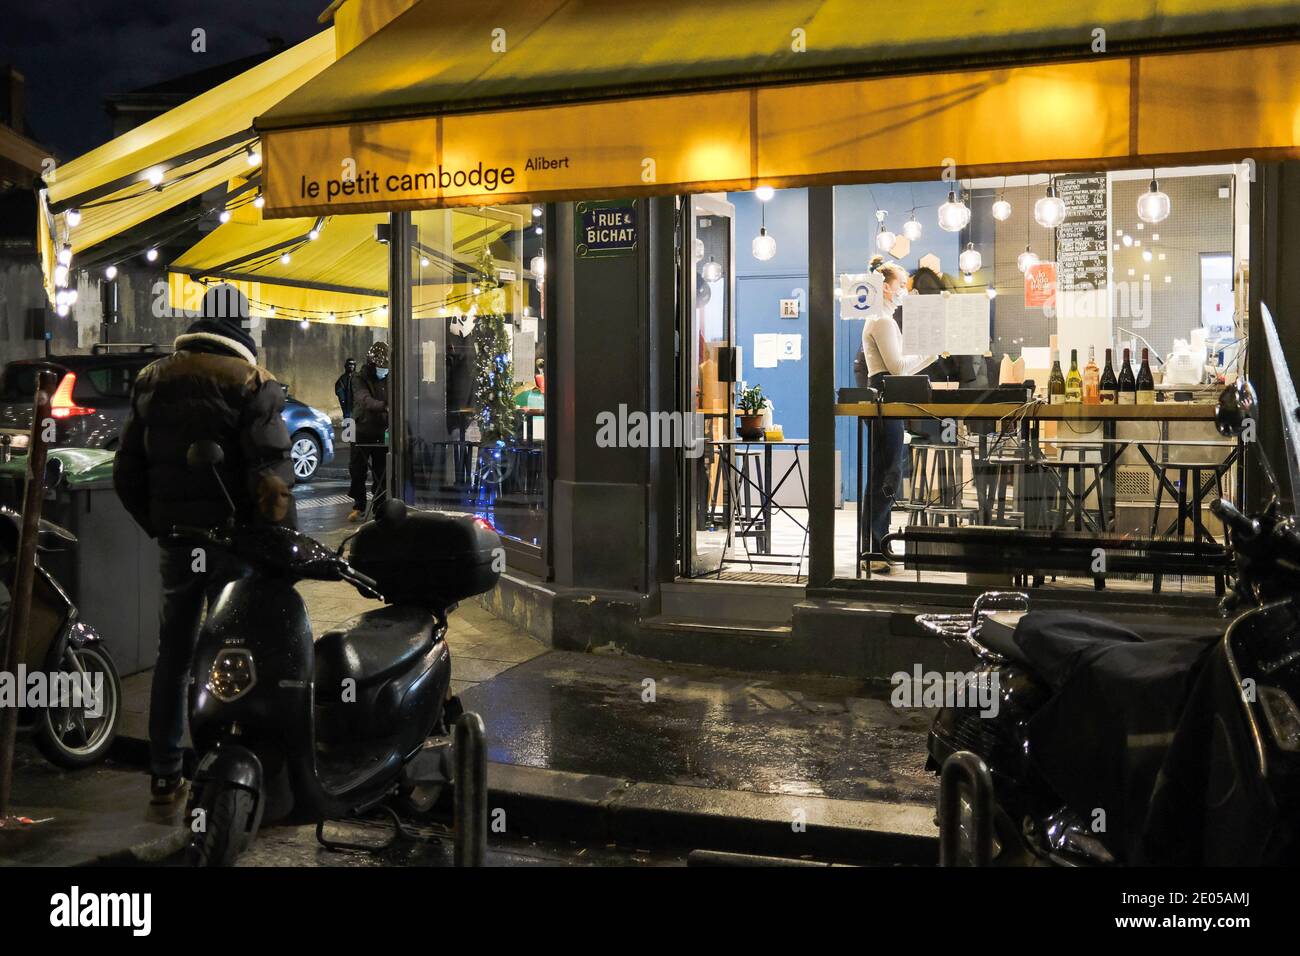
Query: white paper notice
[[957, 324], [923, 324], [858, 294], [791, 347], [429, 361], [767, 350]]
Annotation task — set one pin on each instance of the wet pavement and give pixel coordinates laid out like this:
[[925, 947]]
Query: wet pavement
[[705, 727]]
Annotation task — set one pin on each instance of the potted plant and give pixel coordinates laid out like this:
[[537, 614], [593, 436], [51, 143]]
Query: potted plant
[[751, 403]]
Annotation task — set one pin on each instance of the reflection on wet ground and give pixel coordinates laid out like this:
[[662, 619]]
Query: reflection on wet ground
[[649, 721]]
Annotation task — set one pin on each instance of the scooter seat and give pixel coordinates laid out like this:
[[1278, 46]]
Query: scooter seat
[[374, 646]]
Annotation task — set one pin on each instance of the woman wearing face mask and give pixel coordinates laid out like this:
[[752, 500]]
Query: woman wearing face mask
[[882, 350], [370, 410]]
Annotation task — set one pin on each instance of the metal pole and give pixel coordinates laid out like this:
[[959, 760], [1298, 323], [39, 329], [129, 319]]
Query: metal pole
[[24, 575], [965, 765], [470, 791]]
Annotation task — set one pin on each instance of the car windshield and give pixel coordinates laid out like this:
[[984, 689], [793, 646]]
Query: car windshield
[[18, 383]]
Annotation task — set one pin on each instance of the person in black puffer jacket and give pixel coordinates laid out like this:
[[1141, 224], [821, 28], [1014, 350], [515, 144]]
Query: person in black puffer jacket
[[370, 410], [210, 388]]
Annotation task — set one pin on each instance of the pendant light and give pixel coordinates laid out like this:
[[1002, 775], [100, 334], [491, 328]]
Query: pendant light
[[1153, 205], [1001, 209], [1049, 212], [912, 228], [764, 246], [712, 270], [1027, 259], [970, 260], [954, 214], [884, 238]]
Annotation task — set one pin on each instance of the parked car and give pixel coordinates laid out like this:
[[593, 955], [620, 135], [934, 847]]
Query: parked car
[[93, 395]]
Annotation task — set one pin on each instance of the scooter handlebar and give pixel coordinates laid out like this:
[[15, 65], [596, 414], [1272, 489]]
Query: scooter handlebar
[[1229, 514]]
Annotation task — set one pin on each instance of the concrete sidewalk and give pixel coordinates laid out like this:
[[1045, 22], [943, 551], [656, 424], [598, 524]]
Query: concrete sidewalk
[[638, 752]]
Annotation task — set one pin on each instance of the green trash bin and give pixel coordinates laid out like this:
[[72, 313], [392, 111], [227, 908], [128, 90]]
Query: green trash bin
[[111, 572]]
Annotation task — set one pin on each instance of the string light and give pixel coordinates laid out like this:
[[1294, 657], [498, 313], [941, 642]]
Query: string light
[[74, 218], [912, 228], [152, 255], [285, 258], [110, 273], [954, 214], [764, 193], [154, 176], [258, 201], [65, 255], [253, 157], [224, 215]]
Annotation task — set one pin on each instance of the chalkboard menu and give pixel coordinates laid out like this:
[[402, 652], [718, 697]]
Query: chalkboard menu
[[1081, 241]]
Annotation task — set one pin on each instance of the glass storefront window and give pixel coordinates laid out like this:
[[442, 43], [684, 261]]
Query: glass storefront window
[[476, 421]]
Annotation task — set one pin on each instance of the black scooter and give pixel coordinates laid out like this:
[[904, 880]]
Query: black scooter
[[1107, 747], [78, 722], [288, 728]]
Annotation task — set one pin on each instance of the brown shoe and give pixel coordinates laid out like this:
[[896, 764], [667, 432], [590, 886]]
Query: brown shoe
[[168, 791]]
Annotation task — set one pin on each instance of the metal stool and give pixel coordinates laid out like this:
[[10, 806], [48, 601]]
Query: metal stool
[[1189, 506]]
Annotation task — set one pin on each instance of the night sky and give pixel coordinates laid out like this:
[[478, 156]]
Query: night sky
[[74, 53]]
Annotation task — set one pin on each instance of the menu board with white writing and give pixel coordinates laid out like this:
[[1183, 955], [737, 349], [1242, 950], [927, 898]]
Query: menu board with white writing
[[1081, 240], [956, 324]]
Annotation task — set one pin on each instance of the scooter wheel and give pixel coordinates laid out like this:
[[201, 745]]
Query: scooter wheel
[[72, 736], [225, 827]]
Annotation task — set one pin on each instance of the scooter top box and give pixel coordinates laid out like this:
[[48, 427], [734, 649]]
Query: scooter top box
[[428, 558]]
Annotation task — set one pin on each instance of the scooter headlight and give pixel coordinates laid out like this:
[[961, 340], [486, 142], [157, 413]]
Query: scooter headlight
[[1282, 715], [232, 675]]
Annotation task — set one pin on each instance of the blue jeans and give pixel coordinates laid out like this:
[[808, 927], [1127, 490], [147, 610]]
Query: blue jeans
[[885, 476], [183, 593]]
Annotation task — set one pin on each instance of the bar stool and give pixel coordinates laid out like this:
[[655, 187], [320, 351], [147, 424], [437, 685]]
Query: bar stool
[[1006, 459], [918, 500], [942, 485], [748, 479], [1071, 480], [1189, 506]]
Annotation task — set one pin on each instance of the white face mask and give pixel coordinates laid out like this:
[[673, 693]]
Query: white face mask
[[381, 373]]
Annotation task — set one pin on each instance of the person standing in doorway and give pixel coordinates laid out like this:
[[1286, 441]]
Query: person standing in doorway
[[212, 389], [882, 349], [370, 418], [343, 387]]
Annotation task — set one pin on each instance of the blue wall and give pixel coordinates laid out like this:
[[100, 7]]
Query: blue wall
[[761, 285]]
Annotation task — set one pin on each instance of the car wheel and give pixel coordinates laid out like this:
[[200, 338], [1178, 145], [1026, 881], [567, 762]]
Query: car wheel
[[305, 453]]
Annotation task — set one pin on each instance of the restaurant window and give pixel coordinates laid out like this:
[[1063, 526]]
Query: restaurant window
[[992, 284], [477, 360]]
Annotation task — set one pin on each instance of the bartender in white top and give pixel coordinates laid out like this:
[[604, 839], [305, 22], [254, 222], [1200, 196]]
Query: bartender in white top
[[882, 350]]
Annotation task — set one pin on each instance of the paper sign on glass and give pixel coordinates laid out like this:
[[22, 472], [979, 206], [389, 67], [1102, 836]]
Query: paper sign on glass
[[957, 324]]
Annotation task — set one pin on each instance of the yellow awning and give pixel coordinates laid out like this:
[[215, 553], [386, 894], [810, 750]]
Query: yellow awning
[[456, 103], [195, 147], [343, 272]]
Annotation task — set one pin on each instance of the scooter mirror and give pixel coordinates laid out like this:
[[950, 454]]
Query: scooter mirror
[[1237, 406], [392, 511], [204, 454]]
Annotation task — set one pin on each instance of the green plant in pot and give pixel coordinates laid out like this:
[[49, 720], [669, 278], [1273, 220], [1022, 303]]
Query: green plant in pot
[[751, 404]]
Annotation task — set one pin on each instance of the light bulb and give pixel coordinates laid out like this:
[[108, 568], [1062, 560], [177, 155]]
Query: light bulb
[[65, 255], [152, 255], [253, 157], [1049, 212], [329, 317], [224, 215], [1127, 240], [424, 262], [1146, 255], [968, 277], [763, 246], [764, 193], [72, 297], [74, 218], [60, 276], [538, 267], [314, 235], [537, 211], [258, 201], [954, 214], [285, 258], [538, 230], [270, 310], [912, 229], [991, 292], [1001, 210], [712, 270], [303, 324], [970, 260], [110, 273], [62, 310], [885, 239], [155, 176], [1153, 205], [1026, 260], [382, 311]]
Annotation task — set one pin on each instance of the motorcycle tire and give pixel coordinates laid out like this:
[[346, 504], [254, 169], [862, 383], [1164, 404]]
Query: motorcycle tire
[[52, 734], [229, 825]]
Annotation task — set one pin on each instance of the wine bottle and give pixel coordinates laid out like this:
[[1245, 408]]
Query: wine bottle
[[1056, 382], [1091, 380], [1074, 381], [1146, 383], [1127, 384], [1109, 385]]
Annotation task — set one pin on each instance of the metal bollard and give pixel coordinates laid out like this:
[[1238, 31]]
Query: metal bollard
[[968, 766], [470, 791]]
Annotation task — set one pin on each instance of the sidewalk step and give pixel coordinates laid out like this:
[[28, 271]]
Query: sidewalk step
[[539, 802]]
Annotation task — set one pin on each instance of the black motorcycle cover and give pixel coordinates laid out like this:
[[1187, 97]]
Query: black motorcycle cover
[[1101, 738]]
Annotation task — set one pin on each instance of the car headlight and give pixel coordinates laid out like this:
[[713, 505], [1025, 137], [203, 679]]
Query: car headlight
[[232, 674]]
